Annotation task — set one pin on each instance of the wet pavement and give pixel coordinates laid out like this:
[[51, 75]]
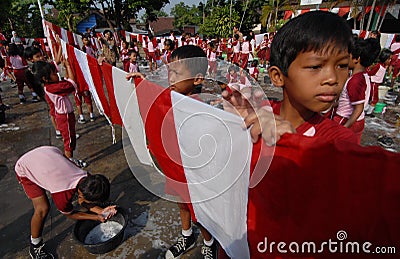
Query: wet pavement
[[153, 223]]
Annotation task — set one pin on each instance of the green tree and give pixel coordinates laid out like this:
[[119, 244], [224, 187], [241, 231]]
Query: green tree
[[21, 16], [270, 13], [220, 22], [186, 15], [71, 12]]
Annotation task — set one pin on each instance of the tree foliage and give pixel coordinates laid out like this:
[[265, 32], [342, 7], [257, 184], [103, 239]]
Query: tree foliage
[[71, 12], [270, 13], [220, 22], [186, 15], [21, 16]]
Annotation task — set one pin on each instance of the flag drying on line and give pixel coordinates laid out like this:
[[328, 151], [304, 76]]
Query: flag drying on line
[[199, 161]]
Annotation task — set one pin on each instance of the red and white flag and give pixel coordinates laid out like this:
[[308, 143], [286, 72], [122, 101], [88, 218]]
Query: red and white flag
[[195, 146]]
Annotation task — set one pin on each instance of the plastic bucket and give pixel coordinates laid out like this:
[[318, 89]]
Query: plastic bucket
[[382, 91], [379, 107]]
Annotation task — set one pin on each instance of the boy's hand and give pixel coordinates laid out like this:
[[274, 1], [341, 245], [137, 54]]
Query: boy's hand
[[100, 60], [108, 212], [242, 102], [263, 121], [134, 74], [270, 126]]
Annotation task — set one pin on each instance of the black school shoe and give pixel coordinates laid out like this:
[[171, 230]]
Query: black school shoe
[[39, 252], [210, 252], [183, 245], [385, 141]]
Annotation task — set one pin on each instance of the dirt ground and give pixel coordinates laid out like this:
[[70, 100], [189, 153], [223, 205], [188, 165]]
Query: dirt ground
[[153, 223]]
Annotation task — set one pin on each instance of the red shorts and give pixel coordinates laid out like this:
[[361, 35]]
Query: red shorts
[[87, 97], [235, 58], [245, 59], [262, 54], [374, 96], [66, 125], [62, 199], [32, 190], [152, 57], [20, 79]]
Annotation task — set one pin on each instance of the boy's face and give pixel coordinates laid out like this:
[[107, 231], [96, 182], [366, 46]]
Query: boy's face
[[37, 57], [180, 78], [133, 57], [81, 198], [316, 80], [54, 77], [85, 41], [352, 62]]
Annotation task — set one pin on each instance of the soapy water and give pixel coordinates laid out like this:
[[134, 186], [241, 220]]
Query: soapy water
[[103, 232]]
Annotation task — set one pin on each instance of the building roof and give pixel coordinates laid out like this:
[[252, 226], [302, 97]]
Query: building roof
[[162, 25]]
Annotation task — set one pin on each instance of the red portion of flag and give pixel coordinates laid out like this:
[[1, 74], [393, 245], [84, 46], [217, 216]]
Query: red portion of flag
[[157, 113], [71, 40], [79, 77], [314, 189], [288, 15], [343, 10], [106, 69], [97, 78]]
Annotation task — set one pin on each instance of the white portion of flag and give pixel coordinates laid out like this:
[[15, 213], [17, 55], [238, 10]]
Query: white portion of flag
[[211, 144], [126, 98], [84, 65], [64, 35]]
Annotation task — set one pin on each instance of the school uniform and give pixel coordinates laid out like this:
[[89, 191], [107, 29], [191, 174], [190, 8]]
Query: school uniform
[[356, 91], [57, 95], [46, 168]]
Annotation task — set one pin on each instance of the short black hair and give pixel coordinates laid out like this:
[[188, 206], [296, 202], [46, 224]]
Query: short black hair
[[367, 50], [14, 50], [29, 52], [132, 51], [385, 55], [170, 43], [42, 69], [198, 62], [95, 188], [311, 31]]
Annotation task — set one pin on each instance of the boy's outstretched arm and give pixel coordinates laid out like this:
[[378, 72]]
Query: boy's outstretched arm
[[134, 74], [100, 214], [68, 71], [260, 118]]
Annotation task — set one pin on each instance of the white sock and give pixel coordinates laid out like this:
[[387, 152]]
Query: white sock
[[187, 232], [34, 94], [209, 242], [81, 117], [36, 241], [21, 96], [58, 132], [91, 115]]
